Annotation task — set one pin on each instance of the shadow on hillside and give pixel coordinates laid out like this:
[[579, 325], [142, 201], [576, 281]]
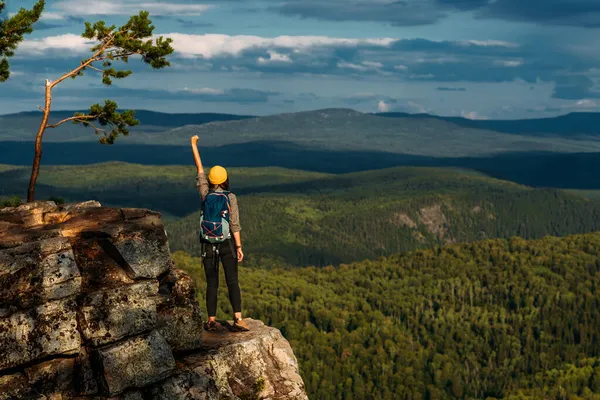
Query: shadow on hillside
[[179, 197], [560, 170]]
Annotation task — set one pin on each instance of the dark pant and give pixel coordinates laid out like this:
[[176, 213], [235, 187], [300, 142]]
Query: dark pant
[[227, 254]]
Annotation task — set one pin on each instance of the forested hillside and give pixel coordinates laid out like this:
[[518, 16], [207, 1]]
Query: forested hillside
[[300, 218], [337, 219], [496, 319]]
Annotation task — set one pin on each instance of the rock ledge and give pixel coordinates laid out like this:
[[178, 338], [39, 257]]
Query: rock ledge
[[92, 307]]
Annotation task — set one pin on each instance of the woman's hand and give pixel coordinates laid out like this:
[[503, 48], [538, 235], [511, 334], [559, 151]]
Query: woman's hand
[[240, 254], [194, 140]]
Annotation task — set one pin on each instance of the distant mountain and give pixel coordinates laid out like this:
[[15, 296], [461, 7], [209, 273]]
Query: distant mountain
[[569, 125], [24, 125], [346, 129], [332, 129]]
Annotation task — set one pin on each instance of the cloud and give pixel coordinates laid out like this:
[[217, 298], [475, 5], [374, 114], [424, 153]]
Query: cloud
[[579, 105], [274, 57], [581, 13], [406, 106], [364, 66], [127, 7], [73, 44], [509, 63], [194, 24], [209, 46], [208, 95], [445, 62], [472, 115], [235, 95], [586, 103], [574, 87], [451, 89], [382, 106], [215, 45], [398, 13], [207, 91]]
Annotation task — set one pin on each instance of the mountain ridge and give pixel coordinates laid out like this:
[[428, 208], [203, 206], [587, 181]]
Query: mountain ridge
[[582, 123], [500, 125], [339, 129]]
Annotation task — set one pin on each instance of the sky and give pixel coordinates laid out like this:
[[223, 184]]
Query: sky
[[482, 59]]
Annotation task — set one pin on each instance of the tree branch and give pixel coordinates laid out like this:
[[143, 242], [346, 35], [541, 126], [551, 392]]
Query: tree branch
[[81, 67], [131, 53], [96, 128], [73, 118], [90, 60], [94, 68]]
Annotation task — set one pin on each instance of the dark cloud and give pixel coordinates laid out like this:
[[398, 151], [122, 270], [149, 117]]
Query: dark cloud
[[464, 5], [99, 92], [446, 62], [574, 87], [399, 13], [42, 26], [425, 60], [236, 95], [191, 24], [465, 48], [451, 89], [584, 13], [67, 21]]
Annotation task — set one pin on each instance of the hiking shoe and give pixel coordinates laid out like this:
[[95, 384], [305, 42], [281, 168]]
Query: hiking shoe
[[240, 325], [210, 326]]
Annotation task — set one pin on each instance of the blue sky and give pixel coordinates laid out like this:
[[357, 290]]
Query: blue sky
[[477, 58]]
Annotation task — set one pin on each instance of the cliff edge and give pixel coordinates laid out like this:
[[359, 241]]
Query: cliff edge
[[92, 307]]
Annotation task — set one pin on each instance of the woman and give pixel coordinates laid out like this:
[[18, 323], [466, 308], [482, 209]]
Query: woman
[[229, 251]]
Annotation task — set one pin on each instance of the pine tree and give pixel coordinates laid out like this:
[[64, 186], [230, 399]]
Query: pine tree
[[114, 44], [12, 31]]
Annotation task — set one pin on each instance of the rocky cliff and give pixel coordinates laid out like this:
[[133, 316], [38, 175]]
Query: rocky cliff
[[91, 306]]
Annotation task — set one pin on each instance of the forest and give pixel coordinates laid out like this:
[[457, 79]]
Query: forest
[[378, 213], [301, 218], [388, 283], [494, 319]]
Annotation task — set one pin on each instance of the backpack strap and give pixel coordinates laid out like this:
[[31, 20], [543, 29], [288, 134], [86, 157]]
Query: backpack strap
[[226, 193]]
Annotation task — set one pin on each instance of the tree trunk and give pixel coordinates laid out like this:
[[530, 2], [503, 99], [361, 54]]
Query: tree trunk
[[37, 158]]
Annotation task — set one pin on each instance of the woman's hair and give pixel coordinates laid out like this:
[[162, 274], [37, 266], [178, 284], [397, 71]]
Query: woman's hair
[[224, 185]]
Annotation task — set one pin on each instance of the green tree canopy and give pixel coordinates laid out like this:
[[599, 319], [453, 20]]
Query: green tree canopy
[[12, 31]]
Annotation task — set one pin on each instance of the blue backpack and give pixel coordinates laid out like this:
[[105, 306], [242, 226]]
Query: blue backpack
[[214, 217]]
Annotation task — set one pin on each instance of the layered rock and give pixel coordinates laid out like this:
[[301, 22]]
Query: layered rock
[[91, 306]]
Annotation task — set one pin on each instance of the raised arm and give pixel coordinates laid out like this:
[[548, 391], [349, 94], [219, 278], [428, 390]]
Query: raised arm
[[197, 160], [201, 181]]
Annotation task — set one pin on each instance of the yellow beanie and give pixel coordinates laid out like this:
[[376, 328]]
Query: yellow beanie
[[217, 175]]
